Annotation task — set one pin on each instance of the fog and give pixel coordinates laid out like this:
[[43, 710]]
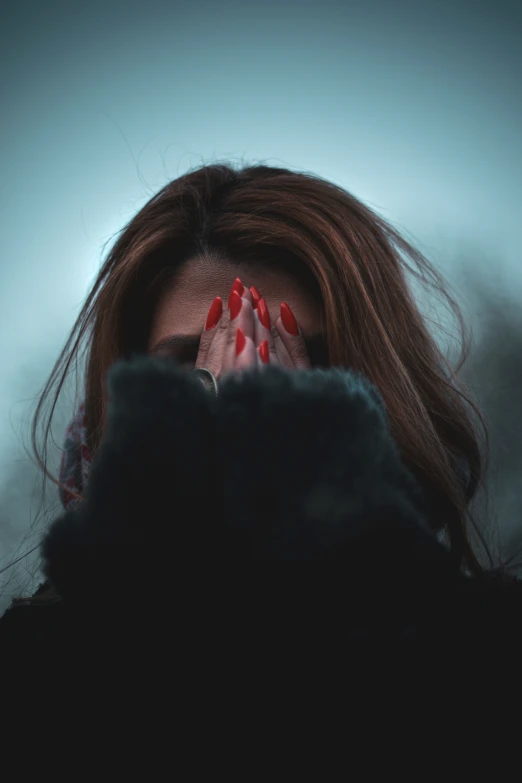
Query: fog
[[416, 111]]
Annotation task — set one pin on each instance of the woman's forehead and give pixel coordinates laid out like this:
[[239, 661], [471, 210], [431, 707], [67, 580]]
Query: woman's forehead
[[184, 303]]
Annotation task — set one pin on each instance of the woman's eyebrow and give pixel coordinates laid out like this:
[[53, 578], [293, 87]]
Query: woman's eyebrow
[[185, 342], [188, 342]]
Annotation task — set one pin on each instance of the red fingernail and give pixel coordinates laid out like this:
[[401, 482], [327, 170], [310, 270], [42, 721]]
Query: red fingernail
[[214, 314], [288, 320], [263, 352], [234, 303], [240, 341], [264, 315], [238, 286], [256, 296]]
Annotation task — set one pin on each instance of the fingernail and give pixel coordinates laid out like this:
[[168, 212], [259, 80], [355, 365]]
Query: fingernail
[[238, 286], [263, 352], [288, 320], [240, 341], [234, 303], [256, 296], [264, 315], [214, 314]]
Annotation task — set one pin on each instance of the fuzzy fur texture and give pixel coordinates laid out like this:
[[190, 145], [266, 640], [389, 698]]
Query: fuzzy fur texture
[[282, 506], [298, 469]]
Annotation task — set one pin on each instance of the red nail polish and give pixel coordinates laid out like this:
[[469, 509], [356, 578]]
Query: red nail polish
[[238, 286], [240, 341], [263, 352], [214, 314], [288, 320], [264, 315], [234, 303], [256, 296]]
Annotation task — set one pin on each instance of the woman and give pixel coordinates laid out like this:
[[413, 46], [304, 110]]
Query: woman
[[328, 427]]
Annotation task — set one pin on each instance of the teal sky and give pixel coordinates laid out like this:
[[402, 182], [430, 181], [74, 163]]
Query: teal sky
[[415, 108]]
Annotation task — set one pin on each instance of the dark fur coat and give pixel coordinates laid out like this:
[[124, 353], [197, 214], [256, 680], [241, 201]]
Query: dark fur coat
[[279, 513]]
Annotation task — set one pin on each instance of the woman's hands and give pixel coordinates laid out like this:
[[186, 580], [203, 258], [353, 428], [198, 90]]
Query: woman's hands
[[241, 335]]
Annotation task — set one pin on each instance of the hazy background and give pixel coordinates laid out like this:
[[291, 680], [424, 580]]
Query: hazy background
[[415, 108]]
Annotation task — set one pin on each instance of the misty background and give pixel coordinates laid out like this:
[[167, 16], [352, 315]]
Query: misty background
[[414, 108]]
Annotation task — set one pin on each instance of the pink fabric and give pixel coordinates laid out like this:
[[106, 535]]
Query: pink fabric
[[76, 460]]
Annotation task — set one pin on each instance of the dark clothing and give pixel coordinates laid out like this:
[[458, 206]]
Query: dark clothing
[[191, 497]]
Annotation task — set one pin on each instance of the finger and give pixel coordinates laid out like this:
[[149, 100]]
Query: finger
[[263, 330], [248, 296], [241, 317], [238, 286], [292, 338], [213, 321], [245, 351], [256, 296], [283, 357], [215, 357]]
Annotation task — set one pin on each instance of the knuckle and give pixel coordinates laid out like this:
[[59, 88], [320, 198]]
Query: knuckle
[[222, 325], [231, 336], [298, 350], [205, 341]]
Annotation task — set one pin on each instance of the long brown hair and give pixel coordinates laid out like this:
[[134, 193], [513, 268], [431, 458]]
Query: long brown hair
[[358, 263]]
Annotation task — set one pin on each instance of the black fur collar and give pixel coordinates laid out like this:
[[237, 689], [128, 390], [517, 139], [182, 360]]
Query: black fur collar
[[291, 468]]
